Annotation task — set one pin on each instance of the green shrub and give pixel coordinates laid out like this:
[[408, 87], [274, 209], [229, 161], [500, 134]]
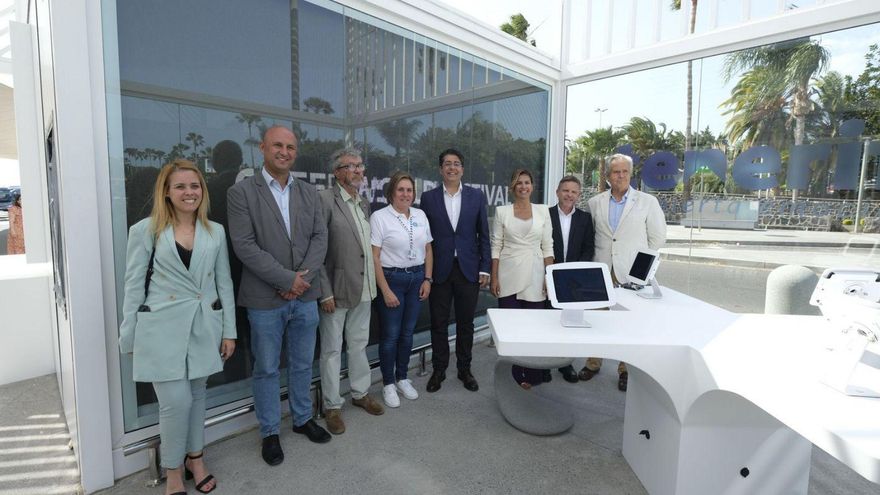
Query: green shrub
[[847, 221]]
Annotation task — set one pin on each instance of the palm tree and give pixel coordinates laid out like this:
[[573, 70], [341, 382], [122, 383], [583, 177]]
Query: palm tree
[[518, 27], [159, 156], [831, 90], [794, 63], [318, 105], [598, 143], [398, 133], [647, 138], [177, 151], [131, 154], [757, 109], [197, 140], [676, 5], [250, 119]]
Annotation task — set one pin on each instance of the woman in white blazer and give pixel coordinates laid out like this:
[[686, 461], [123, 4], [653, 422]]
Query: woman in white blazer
[[178, 314], [522, 245]]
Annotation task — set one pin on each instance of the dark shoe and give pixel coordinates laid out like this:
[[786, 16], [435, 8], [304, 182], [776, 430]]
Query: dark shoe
[[586, 374], [188, 475], [435, 381], [334, 421], [468, 380], [272, 453], [622, 381], [313, 431], [546, 377], [368, 404], [568, 374]]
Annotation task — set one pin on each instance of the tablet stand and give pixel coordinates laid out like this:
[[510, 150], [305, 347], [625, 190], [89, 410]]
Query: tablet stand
[[654, 293], [854, 367], [574, 318]]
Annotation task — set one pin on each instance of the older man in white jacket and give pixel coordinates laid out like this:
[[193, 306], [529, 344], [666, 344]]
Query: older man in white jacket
[[624, 220]]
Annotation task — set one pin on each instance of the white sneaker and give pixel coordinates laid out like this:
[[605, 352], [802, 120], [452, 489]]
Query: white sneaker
[[389, 393], [406, 388]]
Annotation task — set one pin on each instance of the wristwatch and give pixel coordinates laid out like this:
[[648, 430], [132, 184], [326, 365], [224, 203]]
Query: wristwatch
[[429, 280]]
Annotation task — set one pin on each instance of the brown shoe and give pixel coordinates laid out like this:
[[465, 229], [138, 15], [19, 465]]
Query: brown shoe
[[368, 404], [586, 374], [335, 425], [622, 381]]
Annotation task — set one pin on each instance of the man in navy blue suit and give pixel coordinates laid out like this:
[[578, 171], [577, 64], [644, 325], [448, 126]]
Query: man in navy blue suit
[[573, 237], [460, 227]]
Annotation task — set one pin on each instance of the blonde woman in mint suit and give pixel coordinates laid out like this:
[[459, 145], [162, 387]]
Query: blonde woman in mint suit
[[183, 329]]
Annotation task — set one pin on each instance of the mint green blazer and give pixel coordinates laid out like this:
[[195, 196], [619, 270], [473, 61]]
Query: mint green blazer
[[180, 336]]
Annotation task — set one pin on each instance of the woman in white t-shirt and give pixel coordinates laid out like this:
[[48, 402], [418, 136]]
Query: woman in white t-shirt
[[401, 240]]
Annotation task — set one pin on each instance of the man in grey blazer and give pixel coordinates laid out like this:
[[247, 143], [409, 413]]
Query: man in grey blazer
[[348, 286], [278, 232], [624, 221]]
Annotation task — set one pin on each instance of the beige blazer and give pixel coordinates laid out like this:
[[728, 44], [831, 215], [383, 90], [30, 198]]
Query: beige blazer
[[642, 225], [518, 254], [343, 276]]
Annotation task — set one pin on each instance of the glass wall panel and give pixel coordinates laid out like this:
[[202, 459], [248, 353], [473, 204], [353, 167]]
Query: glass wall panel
[[761, 157], [335, 76]]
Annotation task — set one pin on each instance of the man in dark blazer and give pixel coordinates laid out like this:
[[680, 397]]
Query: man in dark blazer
[[459, 224], [278, 232], [572, 236]]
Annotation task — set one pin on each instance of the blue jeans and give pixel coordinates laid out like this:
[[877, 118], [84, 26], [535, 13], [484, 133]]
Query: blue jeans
[[296, 322], [398, 324]]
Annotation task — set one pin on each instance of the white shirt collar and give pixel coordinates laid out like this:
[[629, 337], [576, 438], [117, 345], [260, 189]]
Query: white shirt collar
[[457, 193], [563, 213], [270, 179]]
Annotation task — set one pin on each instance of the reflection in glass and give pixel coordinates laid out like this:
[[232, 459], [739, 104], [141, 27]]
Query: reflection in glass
[[334, 75]]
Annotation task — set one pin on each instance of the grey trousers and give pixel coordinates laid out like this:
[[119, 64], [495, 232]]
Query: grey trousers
[[181, 418], [354, 323]]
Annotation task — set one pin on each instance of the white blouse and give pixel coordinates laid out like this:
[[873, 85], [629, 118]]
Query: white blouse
[[520, 247], [402, 240]]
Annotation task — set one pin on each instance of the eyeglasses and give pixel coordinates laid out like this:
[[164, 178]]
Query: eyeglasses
[[452, 164], [351, 167]]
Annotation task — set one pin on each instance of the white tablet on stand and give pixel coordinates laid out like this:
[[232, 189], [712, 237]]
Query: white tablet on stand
[[642, 272], [578, 286]]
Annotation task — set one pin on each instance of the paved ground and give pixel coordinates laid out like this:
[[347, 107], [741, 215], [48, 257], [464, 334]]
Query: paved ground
[[455, 442], [34, 454]]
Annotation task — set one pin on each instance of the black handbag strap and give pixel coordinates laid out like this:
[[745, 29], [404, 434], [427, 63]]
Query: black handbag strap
[[149, 273]]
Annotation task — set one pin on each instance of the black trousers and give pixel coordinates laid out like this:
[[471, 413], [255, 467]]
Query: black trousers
[[461, 292]]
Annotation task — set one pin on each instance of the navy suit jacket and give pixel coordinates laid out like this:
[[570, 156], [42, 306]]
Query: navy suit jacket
[[470, 239], [581, 246]]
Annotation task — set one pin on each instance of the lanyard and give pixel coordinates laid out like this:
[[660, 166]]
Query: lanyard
[[412, 251]]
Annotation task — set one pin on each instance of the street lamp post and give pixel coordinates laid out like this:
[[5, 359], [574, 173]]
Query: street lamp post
[[700, 171], [600, 111]]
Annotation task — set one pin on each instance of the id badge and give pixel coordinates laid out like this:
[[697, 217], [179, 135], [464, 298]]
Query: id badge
[[412, 254]]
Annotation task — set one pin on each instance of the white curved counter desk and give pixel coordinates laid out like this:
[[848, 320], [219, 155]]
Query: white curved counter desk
[[717, 403]]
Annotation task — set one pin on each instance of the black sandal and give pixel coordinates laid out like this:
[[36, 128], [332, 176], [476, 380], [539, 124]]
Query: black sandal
[[189, 475]]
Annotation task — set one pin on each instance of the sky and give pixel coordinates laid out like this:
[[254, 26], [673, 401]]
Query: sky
[[616, 100]]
